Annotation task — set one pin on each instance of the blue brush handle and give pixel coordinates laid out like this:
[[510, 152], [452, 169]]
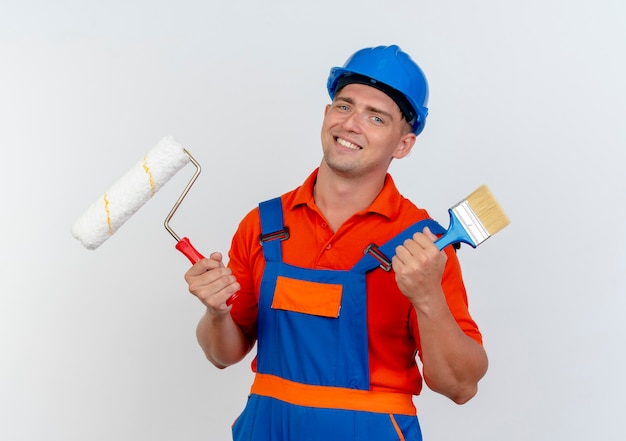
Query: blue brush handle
[[455, 234]]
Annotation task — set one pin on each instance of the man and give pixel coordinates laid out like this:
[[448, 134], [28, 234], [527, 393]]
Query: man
[[339, 281]]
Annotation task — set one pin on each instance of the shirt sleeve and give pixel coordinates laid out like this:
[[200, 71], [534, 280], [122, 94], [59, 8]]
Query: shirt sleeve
[[246, 263]]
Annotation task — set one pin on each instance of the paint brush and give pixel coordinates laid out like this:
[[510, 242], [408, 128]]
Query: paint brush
[[474, 220]]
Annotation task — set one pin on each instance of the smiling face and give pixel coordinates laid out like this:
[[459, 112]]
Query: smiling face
[[362, 131]]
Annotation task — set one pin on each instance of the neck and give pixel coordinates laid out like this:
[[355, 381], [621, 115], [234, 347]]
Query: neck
[[340, 197]]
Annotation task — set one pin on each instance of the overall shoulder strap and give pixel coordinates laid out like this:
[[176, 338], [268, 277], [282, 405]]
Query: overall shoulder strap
[[380, 256], [273, 230]]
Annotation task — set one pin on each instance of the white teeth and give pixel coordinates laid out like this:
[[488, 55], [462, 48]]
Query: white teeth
[[348, 144]]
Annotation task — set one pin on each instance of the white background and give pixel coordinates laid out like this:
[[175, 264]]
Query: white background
[[528, 97]]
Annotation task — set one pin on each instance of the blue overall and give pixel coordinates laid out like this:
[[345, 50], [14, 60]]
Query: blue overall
[[323, 346]]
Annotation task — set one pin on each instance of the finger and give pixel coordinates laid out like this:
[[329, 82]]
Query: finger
[[424, 240], [217, 256], [213, 261], [202, 267], [403, 252], [219, 283], [217, 301], [419, 246], [429, 234], [415, 245]]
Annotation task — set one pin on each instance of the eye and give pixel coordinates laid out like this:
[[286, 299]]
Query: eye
[[341, 105], [377, 120]]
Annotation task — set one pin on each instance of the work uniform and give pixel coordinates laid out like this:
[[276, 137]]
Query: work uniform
[[320, 371]]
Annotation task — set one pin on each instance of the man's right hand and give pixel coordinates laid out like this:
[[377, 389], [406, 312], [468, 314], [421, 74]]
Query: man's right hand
[[212, 283]]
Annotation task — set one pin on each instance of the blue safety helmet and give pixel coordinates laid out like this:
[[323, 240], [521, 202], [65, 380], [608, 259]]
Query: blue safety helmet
[[392, 71]]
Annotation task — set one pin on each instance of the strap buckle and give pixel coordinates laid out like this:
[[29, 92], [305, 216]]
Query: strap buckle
[[373, 250], [280, 235]]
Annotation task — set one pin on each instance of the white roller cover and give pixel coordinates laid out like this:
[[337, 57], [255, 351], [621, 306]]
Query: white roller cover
[[129, 193]]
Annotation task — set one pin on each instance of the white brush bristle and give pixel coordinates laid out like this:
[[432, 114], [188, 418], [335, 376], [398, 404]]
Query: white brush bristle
[[130, 193]]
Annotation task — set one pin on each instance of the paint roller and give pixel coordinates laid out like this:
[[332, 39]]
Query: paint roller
[[126, 196]]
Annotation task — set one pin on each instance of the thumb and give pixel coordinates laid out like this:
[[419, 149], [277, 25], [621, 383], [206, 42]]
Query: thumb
[[217, 256]]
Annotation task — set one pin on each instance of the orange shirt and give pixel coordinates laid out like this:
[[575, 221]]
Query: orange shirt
[[393, 336]]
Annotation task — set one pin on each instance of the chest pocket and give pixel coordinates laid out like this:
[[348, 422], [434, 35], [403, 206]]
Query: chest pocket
[[307, 297]]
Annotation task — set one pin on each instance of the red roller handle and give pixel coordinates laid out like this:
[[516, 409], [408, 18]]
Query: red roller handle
[[185, 247], [194, 256]]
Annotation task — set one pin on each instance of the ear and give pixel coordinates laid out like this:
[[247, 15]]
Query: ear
[[405, 145]]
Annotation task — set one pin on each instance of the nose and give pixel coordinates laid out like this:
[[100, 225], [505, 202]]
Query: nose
[[352, 122]]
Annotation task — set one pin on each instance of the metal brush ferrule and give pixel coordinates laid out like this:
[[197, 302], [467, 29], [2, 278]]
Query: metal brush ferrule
[[470, 222], [182, 196]]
